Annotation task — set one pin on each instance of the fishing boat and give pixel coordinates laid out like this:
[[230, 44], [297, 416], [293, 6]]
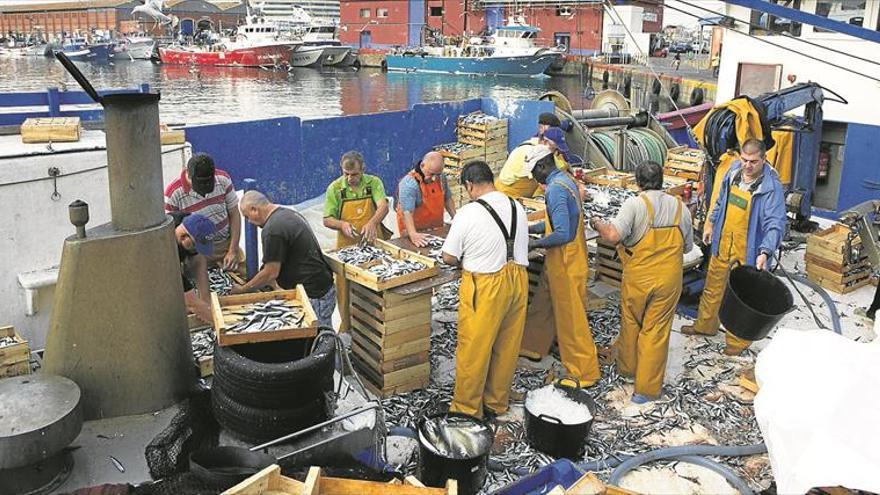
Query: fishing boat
[[80, 49], [136, 48], [306, 56], [324, 36], [510, 51], [258, 43]]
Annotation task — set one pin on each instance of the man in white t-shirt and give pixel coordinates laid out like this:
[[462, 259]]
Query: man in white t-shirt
[[489, 239]]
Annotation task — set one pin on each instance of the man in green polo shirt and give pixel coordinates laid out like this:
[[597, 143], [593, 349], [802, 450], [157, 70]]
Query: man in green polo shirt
[[355, 204]]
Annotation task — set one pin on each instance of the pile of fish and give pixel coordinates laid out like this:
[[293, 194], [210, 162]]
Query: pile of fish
[[434, 242], [220, 281], [378, 261], [455, 437], [455, 148], [7, 341], [477, 118], [202, 343], [267, 317], [446, 296], [605, 201]]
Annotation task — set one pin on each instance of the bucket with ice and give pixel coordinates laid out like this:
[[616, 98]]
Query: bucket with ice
[[558, 419]]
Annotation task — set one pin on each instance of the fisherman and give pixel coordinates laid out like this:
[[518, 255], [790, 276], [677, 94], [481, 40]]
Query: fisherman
[[652, 232], [745, 226], [355, 204], [194, 234], [554, 138], [489, 239], [515, 178], [422, 195], [208, 191], [291, 255], [566, 269]]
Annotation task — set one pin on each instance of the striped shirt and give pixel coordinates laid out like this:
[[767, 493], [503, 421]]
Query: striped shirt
[[179, 196]]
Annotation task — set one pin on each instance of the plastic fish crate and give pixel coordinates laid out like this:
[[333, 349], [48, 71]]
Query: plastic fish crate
[[223, 306], [359, 273]]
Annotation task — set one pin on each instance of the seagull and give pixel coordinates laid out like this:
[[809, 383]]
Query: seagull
[[153, 10]]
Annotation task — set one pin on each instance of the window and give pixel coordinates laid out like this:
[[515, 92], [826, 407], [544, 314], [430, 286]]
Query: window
[[848, 11], [562, 39], [756, 79], [564, 11], [381, 12], [365, 13], [437, 11], [770, 24]]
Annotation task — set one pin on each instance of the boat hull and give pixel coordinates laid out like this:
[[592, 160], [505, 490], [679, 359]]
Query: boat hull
[[306, 57], [531, 65], [101, 52], [259, 56], [335, 55], [141, 50]]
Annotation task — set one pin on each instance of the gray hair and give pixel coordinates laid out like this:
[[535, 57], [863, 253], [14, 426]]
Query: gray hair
[[254, 198], [753, 145], [351, 158]]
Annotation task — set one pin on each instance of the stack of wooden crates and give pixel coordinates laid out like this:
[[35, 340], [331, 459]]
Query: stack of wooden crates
[[15, 357], [391, 339], [835, 260], [609, 267], [480, 137]]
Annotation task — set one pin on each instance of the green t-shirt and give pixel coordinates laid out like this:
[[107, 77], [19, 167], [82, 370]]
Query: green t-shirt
[[333, 198]]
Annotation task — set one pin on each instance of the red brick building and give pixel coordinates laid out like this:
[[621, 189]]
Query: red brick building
[[389, 23]]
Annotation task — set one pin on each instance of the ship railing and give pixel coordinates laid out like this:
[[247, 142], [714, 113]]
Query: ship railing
[[16, 107]]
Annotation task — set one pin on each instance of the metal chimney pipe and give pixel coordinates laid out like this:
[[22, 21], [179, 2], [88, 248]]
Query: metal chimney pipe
[[133, 150]]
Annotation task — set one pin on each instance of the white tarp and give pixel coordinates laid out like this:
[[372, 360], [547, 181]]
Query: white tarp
[[819, 410]]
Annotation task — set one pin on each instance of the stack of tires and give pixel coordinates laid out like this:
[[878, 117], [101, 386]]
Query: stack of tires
[[267, 390]]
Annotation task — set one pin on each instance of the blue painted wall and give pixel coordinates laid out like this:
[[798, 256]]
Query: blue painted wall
[[860, 158], [522, 117], [294, 160], [416, 16]]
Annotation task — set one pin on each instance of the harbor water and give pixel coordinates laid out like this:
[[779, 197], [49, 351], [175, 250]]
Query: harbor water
[[203, 95]]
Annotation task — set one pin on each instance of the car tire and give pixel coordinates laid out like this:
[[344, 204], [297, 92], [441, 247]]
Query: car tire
[[270, 374], [259, 424]]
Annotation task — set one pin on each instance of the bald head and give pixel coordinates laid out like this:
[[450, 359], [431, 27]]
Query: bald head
[[431, 165], [256, 207]]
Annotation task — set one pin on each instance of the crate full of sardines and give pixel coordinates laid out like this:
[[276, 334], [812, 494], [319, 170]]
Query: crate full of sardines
[[263, 317], [380, 265]]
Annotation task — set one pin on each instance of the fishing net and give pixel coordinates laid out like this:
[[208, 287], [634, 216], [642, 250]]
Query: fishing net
[[192, 428]]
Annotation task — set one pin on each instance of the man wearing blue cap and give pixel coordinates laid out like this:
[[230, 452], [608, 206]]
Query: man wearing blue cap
[[554, 138], [195, 241]]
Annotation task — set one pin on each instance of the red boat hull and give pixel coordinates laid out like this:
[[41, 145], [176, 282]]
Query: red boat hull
[[244, 57]]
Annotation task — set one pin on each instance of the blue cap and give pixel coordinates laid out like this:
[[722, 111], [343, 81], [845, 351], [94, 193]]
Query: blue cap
[[202, 230], [556, 135]]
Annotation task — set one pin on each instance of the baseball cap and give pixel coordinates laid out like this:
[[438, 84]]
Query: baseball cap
[[201, 173], [556, 135], [548, 118], [202, 230]]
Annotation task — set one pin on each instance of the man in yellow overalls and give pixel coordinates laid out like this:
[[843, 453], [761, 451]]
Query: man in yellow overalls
[[566, 269], [489, 238], [745, 226], [354, 206], [652, 231], [515, 178]]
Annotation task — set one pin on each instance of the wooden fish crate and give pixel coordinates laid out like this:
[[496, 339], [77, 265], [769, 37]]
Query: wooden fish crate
[[538, 206], [50, 129], [676, 185], [14, 358], [604, 177], [361, 275], [835, 260], [490, 154], [609, 268], [171, 136], [391, 339], [481, 134], [223, 306], [206, 363], [270, 481], [684, 162]]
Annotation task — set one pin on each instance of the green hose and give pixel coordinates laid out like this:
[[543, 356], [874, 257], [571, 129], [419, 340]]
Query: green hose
[[643, 144]]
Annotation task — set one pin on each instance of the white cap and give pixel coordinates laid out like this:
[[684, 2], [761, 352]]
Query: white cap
[[533, 155]]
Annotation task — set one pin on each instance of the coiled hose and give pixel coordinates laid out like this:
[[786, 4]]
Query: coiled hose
[[642, 144]]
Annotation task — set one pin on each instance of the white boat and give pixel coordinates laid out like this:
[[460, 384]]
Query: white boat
[[323, 35], [137, 48], [306, 56]]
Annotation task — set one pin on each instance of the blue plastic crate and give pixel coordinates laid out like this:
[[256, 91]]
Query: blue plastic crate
[[562, 472]]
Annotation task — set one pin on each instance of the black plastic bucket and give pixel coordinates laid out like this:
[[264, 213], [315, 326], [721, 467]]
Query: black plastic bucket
[[435, 469], [754, 302], [549, 435]]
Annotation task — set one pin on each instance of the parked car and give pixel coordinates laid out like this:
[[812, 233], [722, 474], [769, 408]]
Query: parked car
[[679, 47]]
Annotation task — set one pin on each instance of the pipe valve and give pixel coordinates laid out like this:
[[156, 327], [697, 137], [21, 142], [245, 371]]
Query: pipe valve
[[79, 217]]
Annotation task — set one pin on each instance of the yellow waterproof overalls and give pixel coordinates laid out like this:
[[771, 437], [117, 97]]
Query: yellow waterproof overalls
[[731, 250], [491, 317], [356, 211], [567, 270], [652, 272]]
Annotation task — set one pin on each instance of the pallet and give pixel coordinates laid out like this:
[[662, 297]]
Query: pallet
[[15, 353], [360, 275], [50, 129], [221, 306]]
